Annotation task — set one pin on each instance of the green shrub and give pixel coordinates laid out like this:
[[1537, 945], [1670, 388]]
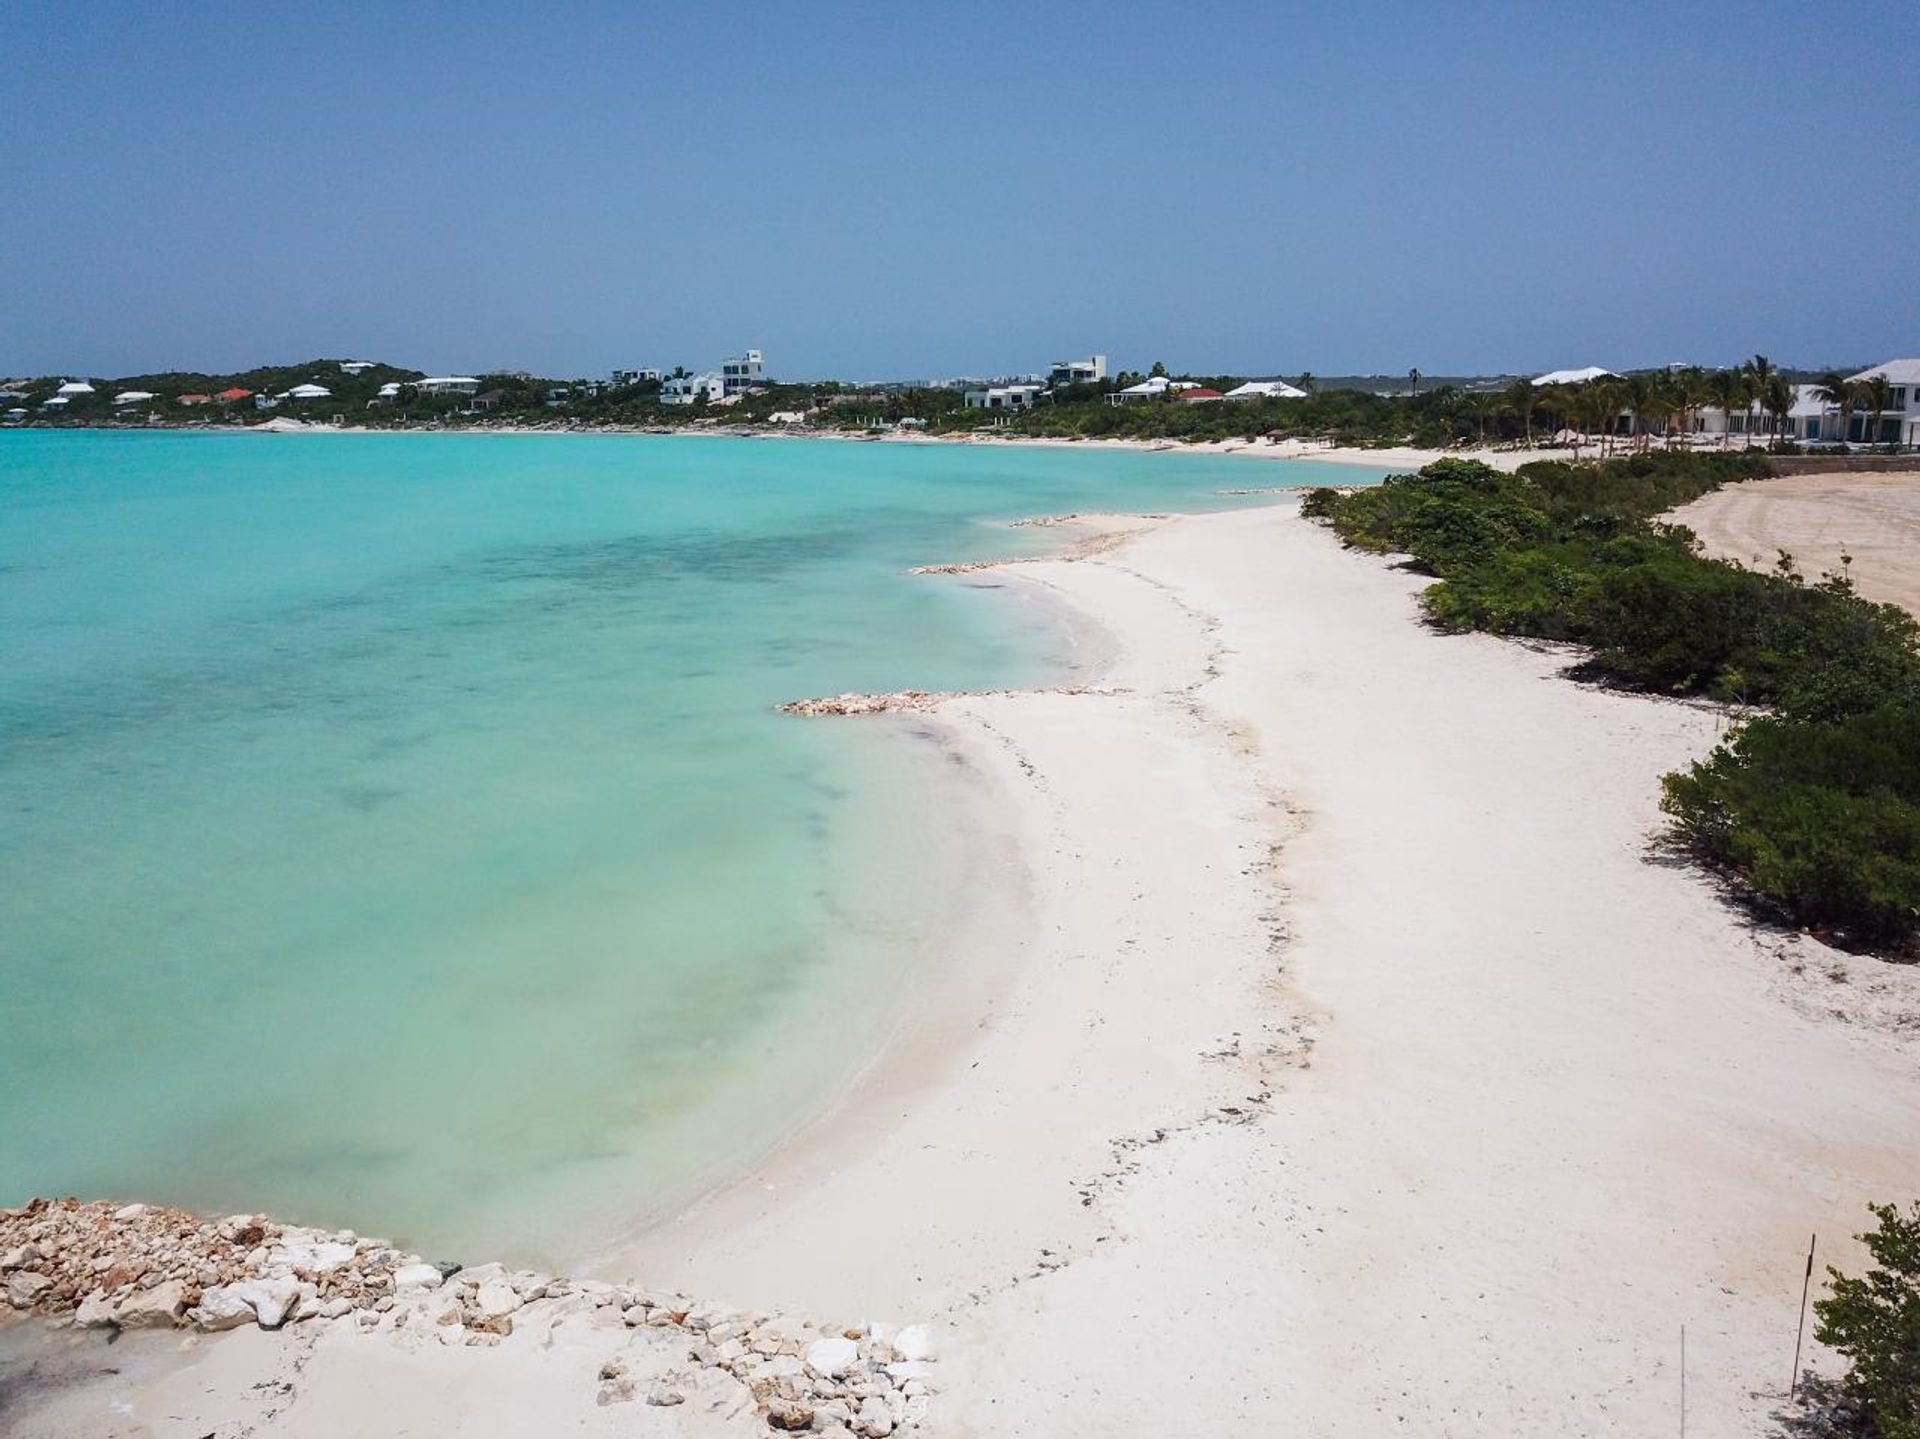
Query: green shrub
[[1875, 1322], [1820, 817]]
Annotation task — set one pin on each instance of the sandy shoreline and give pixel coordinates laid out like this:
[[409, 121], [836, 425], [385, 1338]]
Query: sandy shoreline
[[1393, 457], [1338, 1059]]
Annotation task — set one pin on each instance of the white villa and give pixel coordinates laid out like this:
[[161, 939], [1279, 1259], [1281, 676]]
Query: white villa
[[690, 389], [447, 385], [1899, 424], [72, 388], [741, 373], [306, 392], [355, 367], [1150, 390], [1005, 397], [133, 397], [1089, 371], [1266, 390], [1812, 419]]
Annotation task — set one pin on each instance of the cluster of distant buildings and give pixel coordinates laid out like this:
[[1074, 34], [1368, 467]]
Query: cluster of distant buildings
[[1093, 370], [1812, 418]]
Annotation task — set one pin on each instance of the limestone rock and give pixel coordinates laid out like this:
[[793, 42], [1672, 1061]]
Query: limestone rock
[[222, 1308], [875, 1419], [665, 1397], [914, 1342], [96, 1311], [832, 1358], [497, 1299], [272, 1300], [789, 1415], [157, 1308], [417, 1276], [24, 1288]]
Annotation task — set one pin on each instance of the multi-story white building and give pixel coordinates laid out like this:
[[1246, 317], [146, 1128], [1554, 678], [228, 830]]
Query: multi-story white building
[[741, 373], [1899, 423], [634, 377], [692, 389], [1089, 371], [1814, 419]]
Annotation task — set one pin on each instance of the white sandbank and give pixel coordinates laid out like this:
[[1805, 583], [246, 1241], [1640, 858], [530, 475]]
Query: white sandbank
[[1345, 1065]]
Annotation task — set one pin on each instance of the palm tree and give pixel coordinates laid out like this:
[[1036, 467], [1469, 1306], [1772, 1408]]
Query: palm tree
[[1760, 373], [1658, 406], [1637, 392], [1520, 398], [1413, 378], [1690, 389], [1878, 395], [1728, 390], [1306, 381], [1842, 395], [1609, 398], [1777, 397]]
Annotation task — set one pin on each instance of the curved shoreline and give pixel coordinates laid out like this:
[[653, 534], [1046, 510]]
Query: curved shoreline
[[1353, 1065]]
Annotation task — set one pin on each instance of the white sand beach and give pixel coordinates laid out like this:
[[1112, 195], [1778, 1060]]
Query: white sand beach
[[1341, 1060]]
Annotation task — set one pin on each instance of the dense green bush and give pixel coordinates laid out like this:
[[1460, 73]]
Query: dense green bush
[[1875, 1322], [1821, 818], [1816, 808]]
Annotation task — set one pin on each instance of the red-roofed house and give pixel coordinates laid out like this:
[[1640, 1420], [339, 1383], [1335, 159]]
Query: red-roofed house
[[1198, 394], [196, 399], [236, 393]]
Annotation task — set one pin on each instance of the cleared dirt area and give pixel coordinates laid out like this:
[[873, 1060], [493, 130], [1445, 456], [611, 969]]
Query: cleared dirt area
[[1817, 519]]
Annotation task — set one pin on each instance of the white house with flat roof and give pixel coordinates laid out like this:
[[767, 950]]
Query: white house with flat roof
[[448, 385], [741, 373], [1090, 371], [691, 389], [1005, 397]]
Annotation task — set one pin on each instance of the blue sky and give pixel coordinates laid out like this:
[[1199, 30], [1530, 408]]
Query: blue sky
[[897, 190]]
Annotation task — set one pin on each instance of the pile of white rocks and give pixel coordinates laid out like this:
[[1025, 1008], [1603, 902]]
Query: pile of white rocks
[[138, 1266]]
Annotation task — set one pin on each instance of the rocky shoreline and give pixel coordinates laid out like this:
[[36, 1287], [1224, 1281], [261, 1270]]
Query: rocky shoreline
[[112, 1267], [917, 701]]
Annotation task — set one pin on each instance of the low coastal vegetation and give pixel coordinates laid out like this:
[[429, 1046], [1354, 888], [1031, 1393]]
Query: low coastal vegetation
[[1812, 805], [1875, 1321]]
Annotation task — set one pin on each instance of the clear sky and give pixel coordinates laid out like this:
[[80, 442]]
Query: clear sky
[[907, 190]]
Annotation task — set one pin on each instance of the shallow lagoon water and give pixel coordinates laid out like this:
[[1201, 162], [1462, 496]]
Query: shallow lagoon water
[[397, 831]]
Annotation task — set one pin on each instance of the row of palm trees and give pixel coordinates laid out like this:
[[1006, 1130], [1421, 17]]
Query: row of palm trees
[[1664, 404]]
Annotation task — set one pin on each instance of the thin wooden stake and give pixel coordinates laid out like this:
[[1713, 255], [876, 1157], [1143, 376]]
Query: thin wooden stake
[[1800, 1333], [1683, 1381]]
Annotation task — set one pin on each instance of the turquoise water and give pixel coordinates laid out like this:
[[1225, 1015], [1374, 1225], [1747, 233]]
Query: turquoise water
[[396, 831]]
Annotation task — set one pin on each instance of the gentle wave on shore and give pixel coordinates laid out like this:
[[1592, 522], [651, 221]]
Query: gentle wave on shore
[[400, 832]]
